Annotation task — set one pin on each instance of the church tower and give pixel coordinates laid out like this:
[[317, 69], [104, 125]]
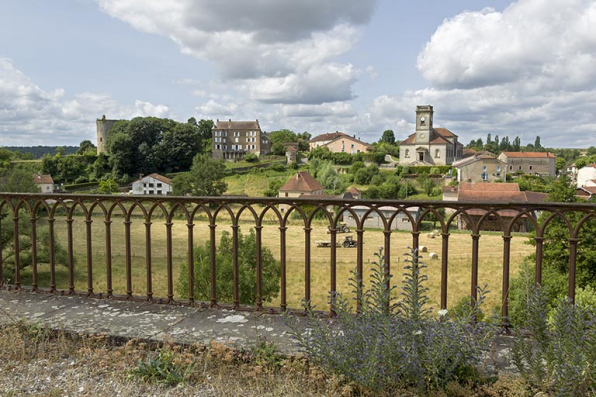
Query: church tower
[[424, 124]]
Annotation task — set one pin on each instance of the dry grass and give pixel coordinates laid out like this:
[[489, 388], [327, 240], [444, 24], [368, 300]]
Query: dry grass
[[459, 268], [35, 361]]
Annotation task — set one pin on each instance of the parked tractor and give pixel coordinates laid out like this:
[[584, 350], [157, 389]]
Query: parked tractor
[[349, 242], [341, 228]]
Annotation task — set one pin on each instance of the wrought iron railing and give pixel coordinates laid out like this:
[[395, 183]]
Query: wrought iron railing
[[83, 226]]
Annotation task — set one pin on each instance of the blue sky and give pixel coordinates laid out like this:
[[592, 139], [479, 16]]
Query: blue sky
[[518, 68]]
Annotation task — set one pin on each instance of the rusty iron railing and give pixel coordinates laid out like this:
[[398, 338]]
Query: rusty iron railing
[[70, 211]]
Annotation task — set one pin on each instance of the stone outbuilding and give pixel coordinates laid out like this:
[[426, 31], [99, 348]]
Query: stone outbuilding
[[301, 184], [531, 163], [44, 182], [480, 167]]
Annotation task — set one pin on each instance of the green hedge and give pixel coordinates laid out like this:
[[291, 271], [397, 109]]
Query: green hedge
[[423, 169], [79, 186]]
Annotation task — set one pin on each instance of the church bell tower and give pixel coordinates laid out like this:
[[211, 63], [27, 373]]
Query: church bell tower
[[424, 124]]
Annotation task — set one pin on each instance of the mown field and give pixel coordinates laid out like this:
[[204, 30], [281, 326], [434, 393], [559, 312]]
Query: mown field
[[460, 258]]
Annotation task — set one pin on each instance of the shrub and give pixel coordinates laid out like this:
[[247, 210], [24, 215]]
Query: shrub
[[251, 158], [389, 345], [247, 263], [559, 357], [163, 367]]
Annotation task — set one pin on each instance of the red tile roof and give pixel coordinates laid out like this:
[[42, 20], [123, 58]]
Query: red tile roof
[[328, 137], [529, 154], [43, 179], [490, 187], [438, 136], [302, 182]]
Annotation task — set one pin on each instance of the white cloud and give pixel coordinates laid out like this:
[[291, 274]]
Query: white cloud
[[282, 48], [29, 114], [527, 71]]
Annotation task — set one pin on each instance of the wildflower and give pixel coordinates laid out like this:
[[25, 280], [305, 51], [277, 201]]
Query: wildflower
[[419, 332], [443, 312]]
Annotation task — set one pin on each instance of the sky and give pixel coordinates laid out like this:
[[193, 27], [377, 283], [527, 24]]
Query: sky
[[522, 68]]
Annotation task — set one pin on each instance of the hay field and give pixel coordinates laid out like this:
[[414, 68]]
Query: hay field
[[460, 245]]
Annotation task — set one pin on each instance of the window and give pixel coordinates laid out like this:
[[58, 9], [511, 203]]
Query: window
[[437, 153], [510, 168], [530, 168], [218, 147], [286, 194], [484, 168], [485, 176], [100, 139], [159, 185], [236, 140], [144, 185], [498, 168], [519, 168], [151, 185], [407, 153], [159, 192], [150, 191], [225, 147]]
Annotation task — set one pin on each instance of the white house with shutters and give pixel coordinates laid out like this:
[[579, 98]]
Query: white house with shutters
[[152, 184]]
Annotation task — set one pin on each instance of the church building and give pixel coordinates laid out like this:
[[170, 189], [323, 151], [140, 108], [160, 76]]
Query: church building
[[429, 145]]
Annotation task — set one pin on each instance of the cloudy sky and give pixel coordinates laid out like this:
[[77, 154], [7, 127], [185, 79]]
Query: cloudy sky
[[518, 68]]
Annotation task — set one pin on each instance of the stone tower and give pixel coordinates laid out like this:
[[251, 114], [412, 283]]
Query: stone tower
[[103, 127], [424, 124]]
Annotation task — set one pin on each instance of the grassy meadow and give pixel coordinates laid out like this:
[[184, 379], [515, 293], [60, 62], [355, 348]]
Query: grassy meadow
[[459, 273]]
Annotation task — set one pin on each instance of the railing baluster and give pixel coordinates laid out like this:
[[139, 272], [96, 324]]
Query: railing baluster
[[34, 283], [538, 273], [474, 282], [259, 230], [505, 291], [88, 223], [71, 286], [236, 288], [572, 267], [333, 270], [307, 232], [52, 255], [213, 302], [170, 263], [359, 264], [282, 239], [191, 263], [128, 257], [387, 265], [148, 261], [444, 269], [17, 259], [109, 288]]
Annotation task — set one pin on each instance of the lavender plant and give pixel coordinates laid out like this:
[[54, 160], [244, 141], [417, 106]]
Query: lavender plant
[[559, 356], [390, 344]]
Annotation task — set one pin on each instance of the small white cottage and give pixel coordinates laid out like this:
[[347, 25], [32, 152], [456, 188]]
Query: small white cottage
[[152, 184]]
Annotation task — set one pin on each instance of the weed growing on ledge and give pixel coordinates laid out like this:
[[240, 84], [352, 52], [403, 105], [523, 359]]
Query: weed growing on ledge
[[559, 356], [164, 367], [391, 345]]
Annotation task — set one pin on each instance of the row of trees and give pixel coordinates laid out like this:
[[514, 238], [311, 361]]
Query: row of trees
[[149, 144]]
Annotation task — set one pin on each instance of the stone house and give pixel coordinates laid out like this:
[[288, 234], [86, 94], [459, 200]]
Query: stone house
[[429, 145], [501, 193], [374, 220], [586, 176], [301, 184], [44, 182], [338, 142], [232, 140], [532, 163], [480, 167], [152, 184]]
